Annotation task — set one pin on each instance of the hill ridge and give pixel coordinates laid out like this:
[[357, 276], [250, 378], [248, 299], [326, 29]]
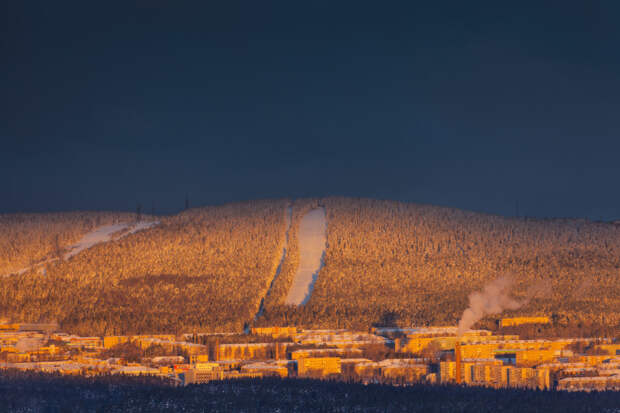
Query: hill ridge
[[386, 262]]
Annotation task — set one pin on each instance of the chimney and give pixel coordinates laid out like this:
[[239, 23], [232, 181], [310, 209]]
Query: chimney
[[457, 355]]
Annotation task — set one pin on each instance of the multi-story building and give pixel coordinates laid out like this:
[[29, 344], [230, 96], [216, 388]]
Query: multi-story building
[[251, 351], [326, 352], [266, 369], [275, 332], [202, 373], [517, 321], [590, 383], [322, 366]]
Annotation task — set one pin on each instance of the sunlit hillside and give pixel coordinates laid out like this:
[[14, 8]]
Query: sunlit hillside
[[386, 263], [409, 264], [203, 269], [28, 239]]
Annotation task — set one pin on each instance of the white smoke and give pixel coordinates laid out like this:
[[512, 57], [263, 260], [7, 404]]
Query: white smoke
[[493, 299]]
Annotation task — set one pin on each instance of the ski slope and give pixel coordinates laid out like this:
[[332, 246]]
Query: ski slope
[[104, 233], [312, 242]]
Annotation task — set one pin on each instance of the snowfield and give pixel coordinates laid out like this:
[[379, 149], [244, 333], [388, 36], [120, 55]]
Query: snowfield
[[104, 233], [312, 241]]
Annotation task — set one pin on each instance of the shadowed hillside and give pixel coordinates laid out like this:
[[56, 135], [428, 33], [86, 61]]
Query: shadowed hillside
[[388, 263]]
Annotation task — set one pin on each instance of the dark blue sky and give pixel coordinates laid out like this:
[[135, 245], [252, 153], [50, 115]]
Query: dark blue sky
[[467, 104]]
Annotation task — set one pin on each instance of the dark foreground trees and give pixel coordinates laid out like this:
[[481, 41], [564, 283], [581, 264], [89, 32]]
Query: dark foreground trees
[[38, 392]]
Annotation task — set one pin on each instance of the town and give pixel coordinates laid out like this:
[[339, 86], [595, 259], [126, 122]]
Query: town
[[399, 356]]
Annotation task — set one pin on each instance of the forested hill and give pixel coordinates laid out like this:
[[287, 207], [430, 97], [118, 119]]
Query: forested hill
[[207, 269]]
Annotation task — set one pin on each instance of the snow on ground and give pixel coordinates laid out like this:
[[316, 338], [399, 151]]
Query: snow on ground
[[140, 226], [106, 234], [102, 234], [312, 240]]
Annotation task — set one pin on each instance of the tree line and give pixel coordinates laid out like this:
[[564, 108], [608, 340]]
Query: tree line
[[52, 392]]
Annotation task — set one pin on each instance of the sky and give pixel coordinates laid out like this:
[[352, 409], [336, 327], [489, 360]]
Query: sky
[[473, 105]]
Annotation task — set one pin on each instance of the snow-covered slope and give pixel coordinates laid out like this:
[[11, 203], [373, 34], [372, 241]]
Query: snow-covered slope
[[312, 242], [106, 234]]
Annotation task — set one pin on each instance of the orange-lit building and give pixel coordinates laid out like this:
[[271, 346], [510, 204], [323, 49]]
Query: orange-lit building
[[612, 349], [111, 341], [251, 351], [275, 332], [266, 369], [326, 352], [318, 365], [590, 383], [517, 321], [416, 343], [198, 358], [9, 327]]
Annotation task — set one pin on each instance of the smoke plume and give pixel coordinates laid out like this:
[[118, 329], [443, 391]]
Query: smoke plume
[[493, 299]]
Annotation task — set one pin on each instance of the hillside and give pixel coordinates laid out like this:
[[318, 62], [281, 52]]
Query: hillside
[[408, 264], [202, 269], [389, 263], [28, 239]]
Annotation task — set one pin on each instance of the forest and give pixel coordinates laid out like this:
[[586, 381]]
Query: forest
[[44, 392], [28, 239], [393, 263], [201, 270], [387, 263]]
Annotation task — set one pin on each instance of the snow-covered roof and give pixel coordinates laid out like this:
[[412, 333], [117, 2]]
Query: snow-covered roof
[[354, 360], [135, 369], [262, 366], [258, 345], [593, 379]]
